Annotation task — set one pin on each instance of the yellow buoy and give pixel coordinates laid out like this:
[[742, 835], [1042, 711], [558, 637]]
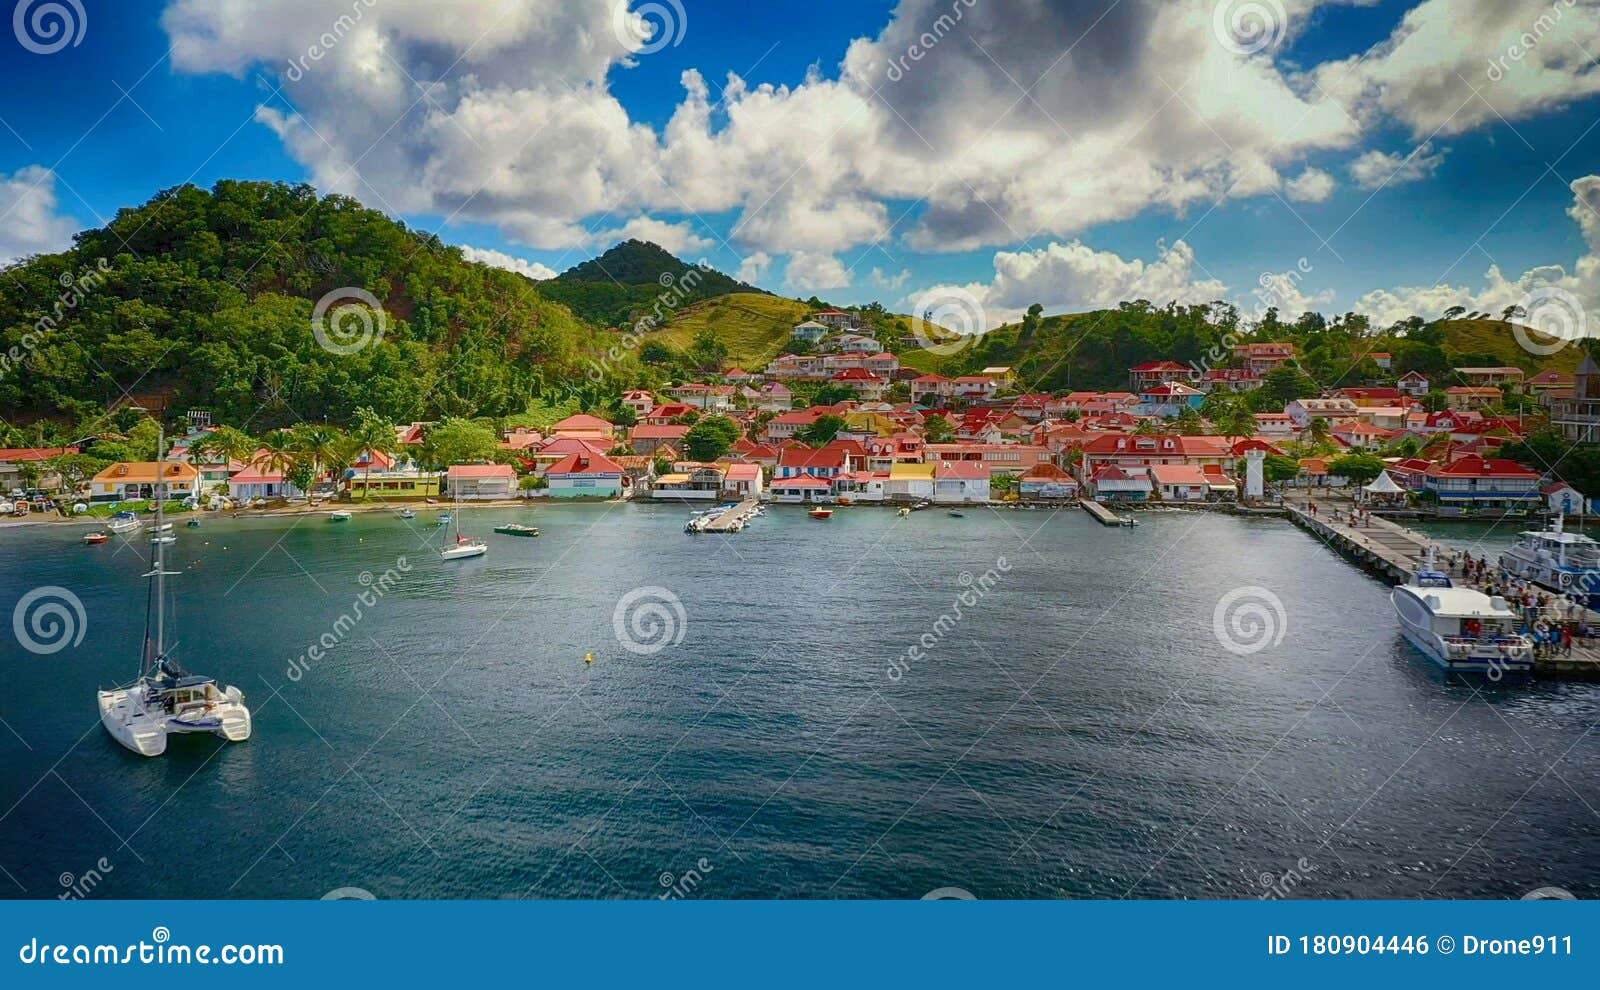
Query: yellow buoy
[[588, 658]]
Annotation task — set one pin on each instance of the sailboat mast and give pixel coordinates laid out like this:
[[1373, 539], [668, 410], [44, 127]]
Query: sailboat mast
[[159, 541]]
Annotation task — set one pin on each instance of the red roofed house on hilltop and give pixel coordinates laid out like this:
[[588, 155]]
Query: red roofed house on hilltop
[[584, 426], [1153, 373], [1263, 358]]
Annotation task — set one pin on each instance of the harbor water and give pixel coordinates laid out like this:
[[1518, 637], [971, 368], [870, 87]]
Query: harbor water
[[1010, 704]]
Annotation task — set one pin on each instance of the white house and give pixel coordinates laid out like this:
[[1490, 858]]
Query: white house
[[810, 331], [1563, 498], [910, 481], [482, 482], [960, 482]]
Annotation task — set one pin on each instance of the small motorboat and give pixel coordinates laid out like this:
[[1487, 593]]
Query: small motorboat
[[957, 515], [193, 524], [340, 515], [444, 518], [407, 514], [95, 539], [122, 522], [517, 529], [820, 513], [905, 510]]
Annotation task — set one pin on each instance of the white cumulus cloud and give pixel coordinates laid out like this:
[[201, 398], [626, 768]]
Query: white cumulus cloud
[[29, 221], [1380, 169], [511, 263], [808, 272]]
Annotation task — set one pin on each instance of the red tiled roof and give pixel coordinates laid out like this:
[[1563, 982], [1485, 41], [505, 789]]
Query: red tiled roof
[[585, 464], [15, 454], [467, 471]]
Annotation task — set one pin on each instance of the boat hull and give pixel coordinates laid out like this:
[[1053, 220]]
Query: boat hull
[[138, 731], [1580, 583], [1478, 659], [463, 552]]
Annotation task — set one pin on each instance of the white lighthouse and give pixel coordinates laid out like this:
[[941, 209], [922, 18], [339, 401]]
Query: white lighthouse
[[1254, 474]]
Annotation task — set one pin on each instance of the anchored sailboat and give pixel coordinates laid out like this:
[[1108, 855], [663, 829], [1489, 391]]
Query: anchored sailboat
[[165, 698], [464, 546]]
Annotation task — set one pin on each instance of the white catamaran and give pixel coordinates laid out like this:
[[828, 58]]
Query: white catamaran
[[165, 698]]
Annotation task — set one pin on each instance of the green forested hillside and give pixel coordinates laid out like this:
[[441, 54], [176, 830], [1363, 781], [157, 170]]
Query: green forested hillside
[[204, 298], [628, 281]]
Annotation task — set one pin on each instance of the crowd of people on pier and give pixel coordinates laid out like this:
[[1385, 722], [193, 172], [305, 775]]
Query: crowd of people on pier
[[1552, 621]]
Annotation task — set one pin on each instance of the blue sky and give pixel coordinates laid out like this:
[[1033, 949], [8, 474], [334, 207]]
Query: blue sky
[[122, 114]]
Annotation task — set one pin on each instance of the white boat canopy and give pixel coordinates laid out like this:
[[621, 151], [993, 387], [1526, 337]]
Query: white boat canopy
[[1384, 485]]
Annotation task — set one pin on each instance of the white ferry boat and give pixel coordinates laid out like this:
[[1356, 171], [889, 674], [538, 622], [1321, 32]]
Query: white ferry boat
[[1565, 562], [1461, 629]]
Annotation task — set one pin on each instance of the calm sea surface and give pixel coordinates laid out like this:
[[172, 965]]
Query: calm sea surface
[[1080, 731]]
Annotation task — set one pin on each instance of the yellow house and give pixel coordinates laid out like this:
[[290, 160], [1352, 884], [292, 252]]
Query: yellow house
[[909, 480], [138, 479], [1002, 376], [394, 484]]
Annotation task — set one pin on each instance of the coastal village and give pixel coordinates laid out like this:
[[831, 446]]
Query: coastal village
[[888, 434]]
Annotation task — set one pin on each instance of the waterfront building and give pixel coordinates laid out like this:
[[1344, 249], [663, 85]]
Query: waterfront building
[[392, 485], [1486, 483], [481, 482], [1110, 483], [1562, 498], [861, 486], [743, 480], [258, 480], [691, 482], [910, 482], [581, 475], [960, 482], [998, 458], [1046, 482], [802, 488], [1179, 482], [20, 464], [137, 480]]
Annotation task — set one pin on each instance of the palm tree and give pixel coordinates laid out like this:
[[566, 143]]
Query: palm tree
[[374, 435], [1318, 430], [279, 453], [225, 443], [318, 446]]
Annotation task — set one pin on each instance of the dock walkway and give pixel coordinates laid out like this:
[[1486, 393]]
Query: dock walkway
[[733, 520], [1104, 515], [1395, 552]]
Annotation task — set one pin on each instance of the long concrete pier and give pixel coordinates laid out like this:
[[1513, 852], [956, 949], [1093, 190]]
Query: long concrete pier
[[1395, 553]]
